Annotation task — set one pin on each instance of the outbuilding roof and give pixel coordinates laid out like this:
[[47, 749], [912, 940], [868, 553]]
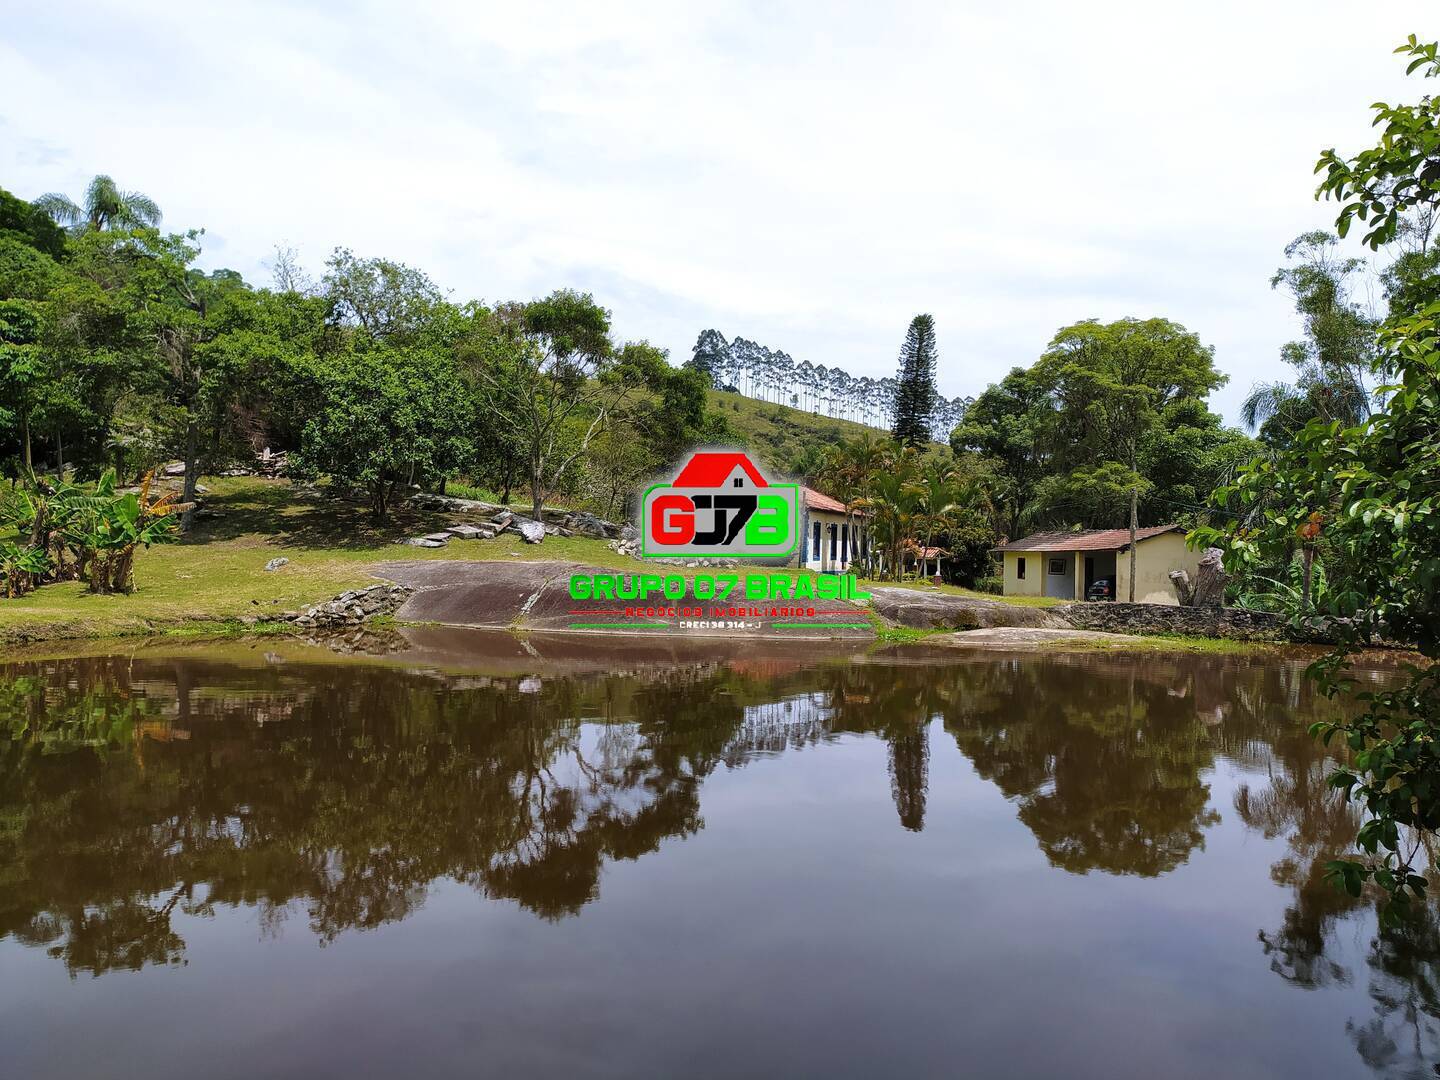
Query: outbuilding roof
[[1085, 539]]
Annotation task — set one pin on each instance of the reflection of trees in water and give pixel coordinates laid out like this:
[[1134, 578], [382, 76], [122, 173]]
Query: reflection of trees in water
[[344, 792], [375, 784], [1313, 945], [1103, 758]]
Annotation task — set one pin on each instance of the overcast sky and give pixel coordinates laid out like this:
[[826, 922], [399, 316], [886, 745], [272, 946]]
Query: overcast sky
[[809, 176]]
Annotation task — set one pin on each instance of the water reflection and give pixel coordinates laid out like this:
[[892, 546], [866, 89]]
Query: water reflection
[[133, 789]]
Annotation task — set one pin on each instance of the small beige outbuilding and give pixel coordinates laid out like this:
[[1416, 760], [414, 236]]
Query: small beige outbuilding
[[1064, 565]]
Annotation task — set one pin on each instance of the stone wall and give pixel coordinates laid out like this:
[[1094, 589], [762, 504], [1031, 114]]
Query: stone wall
[[1234, 623]]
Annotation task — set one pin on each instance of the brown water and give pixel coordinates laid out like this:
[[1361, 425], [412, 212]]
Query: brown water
[[219, 863]]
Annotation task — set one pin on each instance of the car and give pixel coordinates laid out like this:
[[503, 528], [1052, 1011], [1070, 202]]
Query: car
[[1101, 589]]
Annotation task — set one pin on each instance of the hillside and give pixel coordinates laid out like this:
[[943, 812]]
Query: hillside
[[778, 434]]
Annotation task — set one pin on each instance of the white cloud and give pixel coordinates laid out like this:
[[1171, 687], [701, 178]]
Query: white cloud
[[808, 176]]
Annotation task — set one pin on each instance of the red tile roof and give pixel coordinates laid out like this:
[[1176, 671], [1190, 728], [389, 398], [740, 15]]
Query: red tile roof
[[1085, 539], [815, 500], [712, 468]]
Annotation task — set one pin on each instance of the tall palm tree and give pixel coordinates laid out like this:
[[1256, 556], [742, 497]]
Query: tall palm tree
[[105, 207], [1337, 354], [938, 503]]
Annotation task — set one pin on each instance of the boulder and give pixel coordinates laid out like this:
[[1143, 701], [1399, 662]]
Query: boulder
[[466, 532], [925, 610], [532, 531], [275, 564], [438, 537], [583, 523], [423, 541]]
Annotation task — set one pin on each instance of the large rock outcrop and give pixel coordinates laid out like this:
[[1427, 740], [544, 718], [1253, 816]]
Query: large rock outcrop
[[924, 610]]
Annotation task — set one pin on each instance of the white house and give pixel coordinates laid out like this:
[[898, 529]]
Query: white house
[[833, 541]]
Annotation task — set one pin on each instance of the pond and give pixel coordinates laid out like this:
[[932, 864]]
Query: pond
[[484, 856]]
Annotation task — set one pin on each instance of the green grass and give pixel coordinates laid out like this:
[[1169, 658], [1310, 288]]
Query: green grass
[[216, 575], [777, 434]]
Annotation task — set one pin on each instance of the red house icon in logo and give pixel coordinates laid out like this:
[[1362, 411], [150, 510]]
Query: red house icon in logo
[[719, 468]]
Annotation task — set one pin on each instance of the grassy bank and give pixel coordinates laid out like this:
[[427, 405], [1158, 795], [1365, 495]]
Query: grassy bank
[[216, 575]]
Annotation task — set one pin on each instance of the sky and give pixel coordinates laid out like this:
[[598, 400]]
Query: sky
[[809, 176]]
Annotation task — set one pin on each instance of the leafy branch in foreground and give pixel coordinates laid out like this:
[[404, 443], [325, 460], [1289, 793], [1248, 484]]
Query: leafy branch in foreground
[[1373, 492]]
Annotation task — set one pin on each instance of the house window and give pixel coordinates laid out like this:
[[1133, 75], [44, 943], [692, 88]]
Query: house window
[[1057, 567], [844, 543], [833, 540], [739, 481], [1020, 568], [815, 542]]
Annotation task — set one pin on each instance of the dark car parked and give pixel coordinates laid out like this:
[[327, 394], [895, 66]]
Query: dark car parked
[[1101, 589]]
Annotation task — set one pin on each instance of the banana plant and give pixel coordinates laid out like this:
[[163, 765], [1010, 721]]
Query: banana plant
[[86, 533], [127, 523], [21, 568]]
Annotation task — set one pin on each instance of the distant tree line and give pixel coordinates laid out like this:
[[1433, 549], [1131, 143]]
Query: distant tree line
[[747, 367]]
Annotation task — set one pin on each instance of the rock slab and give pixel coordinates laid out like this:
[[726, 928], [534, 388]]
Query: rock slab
[[923, 610]]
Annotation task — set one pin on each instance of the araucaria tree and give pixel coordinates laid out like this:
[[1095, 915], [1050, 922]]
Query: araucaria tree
[[915, 383]]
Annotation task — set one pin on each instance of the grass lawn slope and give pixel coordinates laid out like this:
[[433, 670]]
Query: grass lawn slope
[[216, 575], [217, 572]]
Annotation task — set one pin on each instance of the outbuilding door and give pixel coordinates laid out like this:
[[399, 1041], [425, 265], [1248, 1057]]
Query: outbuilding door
[[1059, 570]]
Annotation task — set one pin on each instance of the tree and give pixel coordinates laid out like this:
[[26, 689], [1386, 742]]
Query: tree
[[387, 300], [915, 383], [709, 357], [557, 382], [1334, 360], [23, 379], [1372, 491], [105, 206], [30, 225], [384, 418], [1011, 423], [173, 311]]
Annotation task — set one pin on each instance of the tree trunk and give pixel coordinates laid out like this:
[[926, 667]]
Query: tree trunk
[[1134, 524], [29, 463], [192, 474], [1183, 588], [1210, 580], [1305, 586], [537, 497]]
